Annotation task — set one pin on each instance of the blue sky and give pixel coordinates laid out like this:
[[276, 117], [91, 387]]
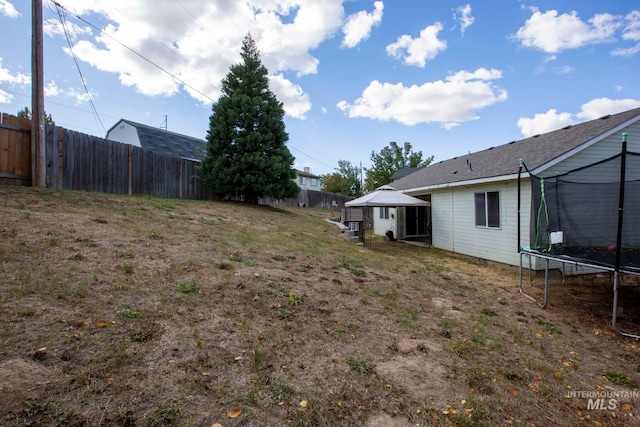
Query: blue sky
[[449, 77]]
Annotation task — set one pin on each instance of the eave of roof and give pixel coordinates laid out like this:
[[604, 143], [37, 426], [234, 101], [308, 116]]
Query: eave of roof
[[498, 163]]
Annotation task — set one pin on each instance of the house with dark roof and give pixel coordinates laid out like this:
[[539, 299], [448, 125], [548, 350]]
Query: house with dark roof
[[474, 197], [156, 139]]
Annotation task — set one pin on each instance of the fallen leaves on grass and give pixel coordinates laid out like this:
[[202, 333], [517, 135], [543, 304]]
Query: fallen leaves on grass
[[235, 413]]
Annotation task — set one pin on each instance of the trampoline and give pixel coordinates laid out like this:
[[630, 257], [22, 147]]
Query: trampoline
[[587, 218]]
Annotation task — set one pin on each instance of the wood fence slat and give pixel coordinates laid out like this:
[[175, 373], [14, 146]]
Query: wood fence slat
[[80, 162], [6, 166]]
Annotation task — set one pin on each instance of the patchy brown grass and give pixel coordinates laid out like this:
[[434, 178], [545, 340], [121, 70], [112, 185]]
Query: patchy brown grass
[[136, 311]]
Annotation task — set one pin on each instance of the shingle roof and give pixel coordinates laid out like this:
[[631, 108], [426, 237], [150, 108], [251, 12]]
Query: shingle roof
[[157, 139], [402, 173], [504, 159]]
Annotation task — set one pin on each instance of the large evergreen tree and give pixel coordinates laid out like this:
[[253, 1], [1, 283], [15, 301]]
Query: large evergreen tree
[[246, 153]]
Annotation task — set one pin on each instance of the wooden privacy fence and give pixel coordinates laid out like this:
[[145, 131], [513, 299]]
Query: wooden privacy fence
[[76, 161], [80, 162], [15, 150]]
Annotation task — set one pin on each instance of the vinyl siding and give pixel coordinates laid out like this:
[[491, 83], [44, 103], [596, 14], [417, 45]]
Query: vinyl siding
[[380, 226], [495, 244], [442, 228], [603, 149]]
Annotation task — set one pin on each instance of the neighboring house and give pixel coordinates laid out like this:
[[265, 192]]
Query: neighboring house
[[307, 181], [474, 197], [156, 139]]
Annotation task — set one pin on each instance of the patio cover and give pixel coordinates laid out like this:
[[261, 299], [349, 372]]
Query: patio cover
[[386, 196]]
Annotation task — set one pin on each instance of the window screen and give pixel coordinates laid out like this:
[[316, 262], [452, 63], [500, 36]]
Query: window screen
[[487, 209]]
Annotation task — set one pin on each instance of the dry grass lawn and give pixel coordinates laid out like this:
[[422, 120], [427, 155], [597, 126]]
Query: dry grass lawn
[[139, 311]]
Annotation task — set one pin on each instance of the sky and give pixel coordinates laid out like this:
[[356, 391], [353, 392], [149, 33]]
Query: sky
[[449, 77]]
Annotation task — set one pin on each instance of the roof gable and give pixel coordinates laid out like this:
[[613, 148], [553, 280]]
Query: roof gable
[[504, 160], [157, 139]]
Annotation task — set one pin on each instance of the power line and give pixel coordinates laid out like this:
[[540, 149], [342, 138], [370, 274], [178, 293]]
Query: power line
[[136, 53], [156, 65], [75, 59], [302, 152]]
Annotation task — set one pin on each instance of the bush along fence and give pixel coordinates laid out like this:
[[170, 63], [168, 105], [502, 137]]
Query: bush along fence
[[80, 162]]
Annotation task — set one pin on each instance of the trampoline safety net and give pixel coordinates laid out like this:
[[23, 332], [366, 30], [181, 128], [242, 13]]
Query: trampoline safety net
[[575, 214]]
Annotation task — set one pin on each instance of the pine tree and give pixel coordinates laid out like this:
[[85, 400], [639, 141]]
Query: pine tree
[[246, 153]]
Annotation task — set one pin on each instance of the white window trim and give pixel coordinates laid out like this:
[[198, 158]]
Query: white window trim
[[486, 210]]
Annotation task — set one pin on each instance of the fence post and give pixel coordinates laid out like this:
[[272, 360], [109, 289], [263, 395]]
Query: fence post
[[129, 171]]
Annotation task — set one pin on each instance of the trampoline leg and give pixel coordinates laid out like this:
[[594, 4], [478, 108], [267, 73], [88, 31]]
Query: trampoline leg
[[614, 316], [546, 281]]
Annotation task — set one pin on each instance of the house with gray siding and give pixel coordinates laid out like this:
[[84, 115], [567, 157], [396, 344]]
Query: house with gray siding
[[474, 197]]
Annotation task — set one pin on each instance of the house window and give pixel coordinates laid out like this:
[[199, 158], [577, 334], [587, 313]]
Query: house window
[[487, 207], [303, 180], [314, 182], [384, 213], [354, 226]]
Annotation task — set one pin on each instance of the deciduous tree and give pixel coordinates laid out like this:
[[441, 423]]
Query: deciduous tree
[[389, 161], [346, 180]]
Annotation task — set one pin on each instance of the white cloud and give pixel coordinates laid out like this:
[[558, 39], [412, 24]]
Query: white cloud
[[552, 120], [51, 89], [358, 25], [7, 77], [53, 28], [448, 102], [631, 30], [8, 9], [417, 51], [602, 106], [544, 122], [618, 88], [626, 52], [296, 102], [564, 69], [198, 41], [463, 15], [5, 97], [552, 33], [19, 78]]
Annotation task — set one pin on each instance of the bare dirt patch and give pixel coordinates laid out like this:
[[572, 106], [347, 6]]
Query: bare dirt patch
[[168, 312], [24, 380]]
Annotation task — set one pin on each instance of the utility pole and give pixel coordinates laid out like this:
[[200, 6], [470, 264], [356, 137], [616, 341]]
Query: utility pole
[[38, 176]]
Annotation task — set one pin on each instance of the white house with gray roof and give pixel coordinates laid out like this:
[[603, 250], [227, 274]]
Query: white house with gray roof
[[156, 139], [474, 197]]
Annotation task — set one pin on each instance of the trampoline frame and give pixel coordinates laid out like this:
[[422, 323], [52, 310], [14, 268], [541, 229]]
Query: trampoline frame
[[617, 269], [573, 261]]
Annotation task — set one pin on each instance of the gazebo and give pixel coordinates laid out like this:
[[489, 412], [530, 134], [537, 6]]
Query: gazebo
[[384, 196]]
